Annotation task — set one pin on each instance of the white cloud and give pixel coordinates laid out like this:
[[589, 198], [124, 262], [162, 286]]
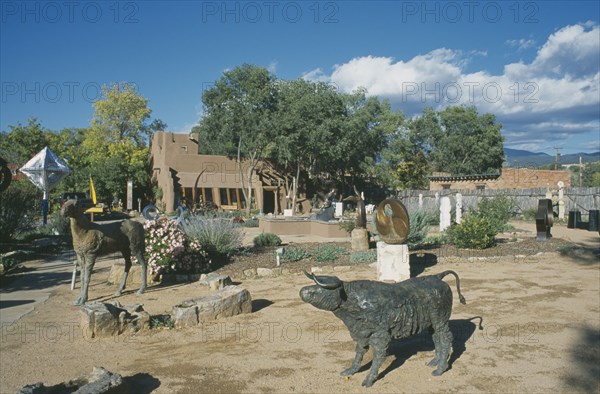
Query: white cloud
[[521, 44], [272, 67], [554, 97]]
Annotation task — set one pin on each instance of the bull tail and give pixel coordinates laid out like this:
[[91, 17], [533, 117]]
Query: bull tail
[[460, 296]]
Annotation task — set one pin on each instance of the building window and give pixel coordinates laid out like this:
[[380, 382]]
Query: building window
[[480, 187], [446, 186]]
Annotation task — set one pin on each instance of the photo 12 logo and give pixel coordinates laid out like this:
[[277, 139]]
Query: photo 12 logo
[[51, 92], [269, 11], [469, 11], [69, 11]]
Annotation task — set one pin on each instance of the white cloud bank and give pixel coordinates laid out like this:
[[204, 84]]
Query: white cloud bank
[[552, 99]]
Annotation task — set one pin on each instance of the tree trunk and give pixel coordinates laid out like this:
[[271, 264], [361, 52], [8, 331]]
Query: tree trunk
[[295, 189]]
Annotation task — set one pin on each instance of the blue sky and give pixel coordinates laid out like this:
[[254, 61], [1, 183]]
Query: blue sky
[[534, 64]]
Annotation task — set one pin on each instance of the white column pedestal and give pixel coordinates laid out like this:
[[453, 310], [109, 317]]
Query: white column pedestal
[[392, 262]]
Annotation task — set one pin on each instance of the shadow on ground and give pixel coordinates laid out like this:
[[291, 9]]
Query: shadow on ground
[[403, 349], [585, 356]]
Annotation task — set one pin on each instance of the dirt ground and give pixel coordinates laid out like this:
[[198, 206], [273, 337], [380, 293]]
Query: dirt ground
[[541, 333]]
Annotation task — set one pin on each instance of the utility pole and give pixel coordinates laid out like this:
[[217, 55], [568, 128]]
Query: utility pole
[[580, 172], [557, 158]]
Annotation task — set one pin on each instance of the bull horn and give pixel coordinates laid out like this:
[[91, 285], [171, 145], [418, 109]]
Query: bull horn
[[327, 282], [309, 276]]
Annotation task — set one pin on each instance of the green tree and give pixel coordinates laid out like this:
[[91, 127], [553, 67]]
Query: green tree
[[122, 115], [466, 142], [308, 123], [22, 142], [239, 120], [115, 148]]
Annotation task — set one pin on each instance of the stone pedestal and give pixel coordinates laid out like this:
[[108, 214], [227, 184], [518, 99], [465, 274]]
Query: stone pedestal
[[360, 240], [392, 262], [445, 209]]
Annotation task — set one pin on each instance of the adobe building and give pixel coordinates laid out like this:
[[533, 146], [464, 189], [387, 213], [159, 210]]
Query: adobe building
[[508, 178], [179, 171]]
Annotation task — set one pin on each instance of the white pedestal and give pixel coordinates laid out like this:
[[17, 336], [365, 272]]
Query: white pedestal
[[339, 209], [392, 262]]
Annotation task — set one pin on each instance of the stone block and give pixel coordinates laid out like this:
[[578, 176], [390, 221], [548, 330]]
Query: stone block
[[185, 315], [100, 319], [97, 382], [360, 239], [230, 301], [392, 262], [264, 272], [215, 281], [249, 273]]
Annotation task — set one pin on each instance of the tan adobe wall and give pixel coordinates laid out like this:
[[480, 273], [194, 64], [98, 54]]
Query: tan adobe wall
[[177, 165]]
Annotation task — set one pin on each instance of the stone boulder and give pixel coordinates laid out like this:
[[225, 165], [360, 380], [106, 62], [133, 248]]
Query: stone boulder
[[229, 301], [215, 281], [134, 277], [97, 382], [100, 319]]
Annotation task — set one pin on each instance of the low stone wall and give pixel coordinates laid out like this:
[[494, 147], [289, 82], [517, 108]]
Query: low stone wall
[[302, 226]]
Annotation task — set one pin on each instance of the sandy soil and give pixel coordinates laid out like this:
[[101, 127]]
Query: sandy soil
[[541, 333]]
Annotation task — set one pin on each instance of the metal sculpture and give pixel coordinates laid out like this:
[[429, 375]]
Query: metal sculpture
[[544, 219], [377, 312], [45, 170], [392, 221], [91, 240]]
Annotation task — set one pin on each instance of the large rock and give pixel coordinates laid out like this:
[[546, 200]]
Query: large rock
[[134, 279], [97, 382], [100, 319], [215, 281], [229, 301]]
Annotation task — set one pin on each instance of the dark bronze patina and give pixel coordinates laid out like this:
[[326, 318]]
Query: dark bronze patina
[[544, 219], [377, 312]]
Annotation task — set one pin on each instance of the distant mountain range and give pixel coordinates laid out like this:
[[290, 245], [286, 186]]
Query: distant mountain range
[[523, 158]]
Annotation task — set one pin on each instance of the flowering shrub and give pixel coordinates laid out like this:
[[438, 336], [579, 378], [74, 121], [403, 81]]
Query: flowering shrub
[[168, 249]]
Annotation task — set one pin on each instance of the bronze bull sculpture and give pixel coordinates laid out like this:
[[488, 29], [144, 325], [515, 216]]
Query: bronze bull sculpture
[[377, 312]]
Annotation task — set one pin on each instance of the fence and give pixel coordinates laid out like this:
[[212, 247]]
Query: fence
[[576, 198]]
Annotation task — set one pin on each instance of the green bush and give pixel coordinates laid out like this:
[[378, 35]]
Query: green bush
[[294, 254], [266, 239], [20, 206], [476, 232], [436, 239], [252, 222], [419, 226], [347, 225], [218, 236], [8, 263], [498, 210], [366, 256], [324, 253]]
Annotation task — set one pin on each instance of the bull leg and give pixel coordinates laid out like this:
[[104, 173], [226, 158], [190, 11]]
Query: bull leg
[[435, 361], [379, 346], [142, 261], [361, 349], [442, 348], [127, 257]]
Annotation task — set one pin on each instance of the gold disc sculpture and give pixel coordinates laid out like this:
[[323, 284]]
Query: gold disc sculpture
[[392, 222]]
